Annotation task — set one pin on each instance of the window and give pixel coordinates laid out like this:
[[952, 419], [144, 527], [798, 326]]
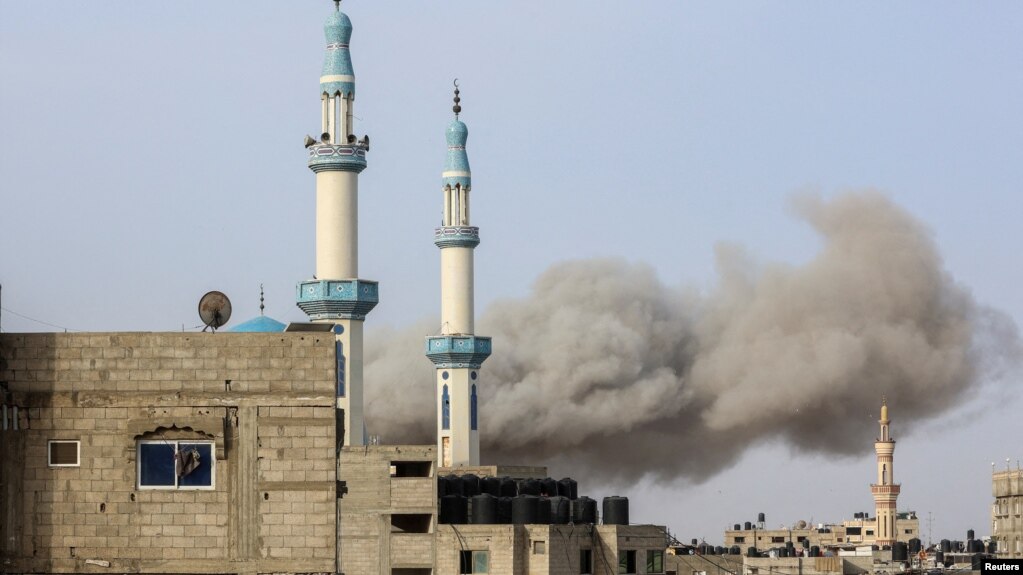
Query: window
[[185, 464], [626, 562], [585, 561], [655, 561], [539, 548], [854, 531], [411, 468], [909, 531], [778, 539], [61, 453], [870, 531], [472, 406], [339, 355], [445, 407], [474, 562], [740, 539], [411, 522]]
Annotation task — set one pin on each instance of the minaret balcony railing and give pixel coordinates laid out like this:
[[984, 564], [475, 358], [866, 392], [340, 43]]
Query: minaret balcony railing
[[885, 489], [338, 158], [456, 237], [454, 351], [338, 299]]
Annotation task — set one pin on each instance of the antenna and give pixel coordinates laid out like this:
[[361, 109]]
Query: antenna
[[214, 310]]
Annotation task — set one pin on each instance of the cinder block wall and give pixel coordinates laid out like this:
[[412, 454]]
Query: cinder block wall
[[266, 400]]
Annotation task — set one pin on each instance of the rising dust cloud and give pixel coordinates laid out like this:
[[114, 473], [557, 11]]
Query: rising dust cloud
[[604, 371]]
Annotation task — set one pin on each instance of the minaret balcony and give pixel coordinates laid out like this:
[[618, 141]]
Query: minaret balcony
[[454, 351], [456, 237], [894, 489], [337, 299], [338, 158]]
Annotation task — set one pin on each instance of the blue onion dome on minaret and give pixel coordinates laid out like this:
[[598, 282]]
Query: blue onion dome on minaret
[[456, 169], [338, 74], [261, 323]]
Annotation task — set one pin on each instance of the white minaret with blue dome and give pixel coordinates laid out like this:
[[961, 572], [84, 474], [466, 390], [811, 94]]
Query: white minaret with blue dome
[[457, 353], [336, 295]]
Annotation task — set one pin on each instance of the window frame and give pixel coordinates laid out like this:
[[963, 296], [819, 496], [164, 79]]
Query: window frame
[[650, 555], [468, 559], [625, 557], [585, 561], [78, 453], [175, 442]]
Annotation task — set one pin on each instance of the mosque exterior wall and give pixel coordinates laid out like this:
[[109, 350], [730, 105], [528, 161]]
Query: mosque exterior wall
[[91, 419]]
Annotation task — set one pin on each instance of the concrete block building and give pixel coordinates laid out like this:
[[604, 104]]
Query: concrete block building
[[1007, 512], [100, 428]]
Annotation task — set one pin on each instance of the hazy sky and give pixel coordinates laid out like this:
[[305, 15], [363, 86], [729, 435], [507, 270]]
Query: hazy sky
[[151, 151]]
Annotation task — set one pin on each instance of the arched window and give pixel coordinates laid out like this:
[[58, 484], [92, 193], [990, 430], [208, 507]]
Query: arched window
[[339, 354], [445, 409], [472, 407]]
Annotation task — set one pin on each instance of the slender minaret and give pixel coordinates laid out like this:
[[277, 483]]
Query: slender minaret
[[336, 295], [457, 353], [885, 491]]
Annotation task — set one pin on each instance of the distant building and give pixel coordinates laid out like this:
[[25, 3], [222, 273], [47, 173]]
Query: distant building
[[884, 529], [1007, 512]]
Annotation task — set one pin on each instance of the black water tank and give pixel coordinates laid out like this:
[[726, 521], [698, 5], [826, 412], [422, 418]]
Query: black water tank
[[442, 486], [789, 545], [529, 487], [945, 546], [491, 486], [748, 526], [583, 511], [969, 534], [806, 543], [719, 550], [524, 510], [783, 552], [454, 509], [508, 487], [958, 546], [900, 551], [568, 487], [977, 562], [734, 550], [694, 542], [470, 485], [751, 552], [504, 510], [761, 518], [484, 509], [815, 551], [976, 546], [737, 527], [548, 487], [939, 557], [560, 511], [616, 510], [543, 511], [914, 546], [454, 485], [992, 547]]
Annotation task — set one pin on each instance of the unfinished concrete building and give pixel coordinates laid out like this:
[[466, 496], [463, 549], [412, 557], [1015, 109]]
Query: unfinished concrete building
[[166, 453]]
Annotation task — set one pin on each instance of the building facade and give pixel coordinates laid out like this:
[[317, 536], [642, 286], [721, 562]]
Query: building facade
[[168, 453], [1007, 512]]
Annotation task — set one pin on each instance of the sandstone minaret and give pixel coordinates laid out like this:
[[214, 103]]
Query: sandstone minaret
[[457, 353], [337, 296], [885, 491]]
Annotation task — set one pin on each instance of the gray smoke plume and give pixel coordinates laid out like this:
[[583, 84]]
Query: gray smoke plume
[[603, 363]]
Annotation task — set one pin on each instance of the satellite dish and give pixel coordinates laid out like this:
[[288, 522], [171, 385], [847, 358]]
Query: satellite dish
[[214, 310]]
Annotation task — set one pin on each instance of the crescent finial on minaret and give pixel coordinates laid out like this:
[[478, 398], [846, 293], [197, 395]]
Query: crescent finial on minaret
[[457, 108]]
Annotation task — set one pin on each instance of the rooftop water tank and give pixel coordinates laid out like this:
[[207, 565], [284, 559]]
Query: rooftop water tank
[[484, 509], [470, 485], [524, 510], [583, 511], [560, 513], [454, 509], [616, 510]]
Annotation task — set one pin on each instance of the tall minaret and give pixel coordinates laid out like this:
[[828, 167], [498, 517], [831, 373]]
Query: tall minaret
[[336, 295], [457, 353], [885, 491]]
